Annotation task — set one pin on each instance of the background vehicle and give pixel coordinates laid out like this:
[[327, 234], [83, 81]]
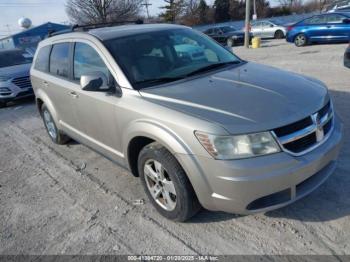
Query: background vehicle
[[339, 6], [226, 35], [268, 29], [14, 75], [186, 126], [325, 28], [347, 57]]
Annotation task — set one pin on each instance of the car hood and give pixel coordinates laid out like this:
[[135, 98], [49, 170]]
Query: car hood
[[15, 71], [247, 98]]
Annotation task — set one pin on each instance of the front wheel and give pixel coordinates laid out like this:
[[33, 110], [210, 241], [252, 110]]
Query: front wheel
[[166, 183], [300, 40]]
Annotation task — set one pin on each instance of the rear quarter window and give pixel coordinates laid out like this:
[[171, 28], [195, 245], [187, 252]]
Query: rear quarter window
[[42, 59]]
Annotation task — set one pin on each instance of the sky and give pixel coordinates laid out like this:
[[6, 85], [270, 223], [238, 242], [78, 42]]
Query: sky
[[41, 11]]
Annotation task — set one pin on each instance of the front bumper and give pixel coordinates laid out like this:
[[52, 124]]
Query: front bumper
[[13, 91], [263, 183]]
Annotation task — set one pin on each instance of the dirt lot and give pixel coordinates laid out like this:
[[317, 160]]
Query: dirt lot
[[51, 204]]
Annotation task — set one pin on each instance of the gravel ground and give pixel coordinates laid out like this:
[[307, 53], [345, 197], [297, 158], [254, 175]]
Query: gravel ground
[[50, 203]]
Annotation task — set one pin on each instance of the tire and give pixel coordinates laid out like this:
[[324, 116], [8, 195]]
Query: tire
[[176, 202], [230, 42], [300, 40], [279, 34], [56, 135]]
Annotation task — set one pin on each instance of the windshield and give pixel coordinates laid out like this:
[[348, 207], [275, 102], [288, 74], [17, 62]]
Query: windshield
[[163, 56], [12, 58]]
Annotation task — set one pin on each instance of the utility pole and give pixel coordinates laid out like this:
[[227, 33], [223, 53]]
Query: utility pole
[[255, 16], [247, 23], [146, 4]]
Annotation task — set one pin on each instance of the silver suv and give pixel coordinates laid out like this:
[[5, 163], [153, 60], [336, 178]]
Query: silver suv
[[14, 75], [197, 124]]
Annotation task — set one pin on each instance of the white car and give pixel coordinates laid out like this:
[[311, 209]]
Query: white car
[[268, 29]]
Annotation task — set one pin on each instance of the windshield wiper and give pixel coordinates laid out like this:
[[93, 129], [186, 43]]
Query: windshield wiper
[[211, 67], [159, 80]]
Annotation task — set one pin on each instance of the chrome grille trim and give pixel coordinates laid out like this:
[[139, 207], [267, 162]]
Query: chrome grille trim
[[317, 128], [22, 82]]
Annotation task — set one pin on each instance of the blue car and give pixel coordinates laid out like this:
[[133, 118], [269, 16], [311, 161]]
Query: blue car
[[324, 28]]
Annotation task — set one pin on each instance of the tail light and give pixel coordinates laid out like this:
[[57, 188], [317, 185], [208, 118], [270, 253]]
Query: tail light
[[289, 28]]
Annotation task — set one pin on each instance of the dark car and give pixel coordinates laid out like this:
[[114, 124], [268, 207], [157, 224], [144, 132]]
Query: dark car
[[227, 35], [347, 57], [324, 28]]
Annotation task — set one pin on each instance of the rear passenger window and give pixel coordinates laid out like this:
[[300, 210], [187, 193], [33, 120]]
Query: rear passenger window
[[42, 59], [59, 60]]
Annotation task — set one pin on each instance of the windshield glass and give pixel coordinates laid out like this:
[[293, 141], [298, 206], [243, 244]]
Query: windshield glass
[[12, 58], [163, 56], [227, 29]]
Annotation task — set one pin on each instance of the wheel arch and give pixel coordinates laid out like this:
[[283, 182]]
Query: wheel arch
[[142, 132], [41, 98]]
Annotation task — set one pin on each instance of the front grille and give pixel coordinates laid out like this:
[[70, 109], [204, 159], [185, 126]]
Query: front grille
[[304, 135], [22, 82]]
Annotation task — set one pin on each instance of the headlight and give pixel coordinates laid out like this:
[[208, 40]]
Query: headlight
[[4, 78], [239, 146]]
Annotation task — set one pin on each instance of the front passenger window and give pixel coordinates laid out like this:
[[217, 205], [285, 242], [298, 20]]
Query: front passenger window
[[87, 60]]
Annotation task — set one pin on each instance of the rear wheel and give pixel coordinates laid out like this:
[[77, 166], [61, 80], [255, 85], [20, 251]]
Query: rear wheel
[[166, 183], [279, 34], [56, 135], [300, 40]]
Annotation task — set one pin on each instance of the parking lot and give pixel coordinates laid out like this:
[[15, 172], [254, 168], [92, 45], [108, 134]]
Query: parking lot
[[70, 200]]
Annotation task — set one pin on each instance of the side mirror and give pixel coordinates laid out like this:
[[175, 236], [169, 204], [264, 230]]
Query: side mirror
[[96, 82], [346, 21], [272, 26]]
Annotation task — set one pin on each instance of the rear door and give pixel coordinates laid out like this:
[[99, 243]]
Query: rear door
[[337, 29], [58, 86]]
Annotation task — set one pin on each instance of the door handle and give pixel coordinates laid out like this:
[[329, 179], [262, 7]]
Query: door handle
[[73, 94], [329, 26]]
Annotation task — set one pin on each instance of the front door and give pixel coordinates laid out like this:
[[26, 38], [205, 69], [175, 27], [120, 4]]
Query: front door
[[97, 111]]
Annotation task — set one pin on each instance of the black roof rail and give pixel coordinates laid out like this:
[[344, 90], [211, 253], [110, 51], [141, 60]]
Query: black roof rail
[[87, 27]]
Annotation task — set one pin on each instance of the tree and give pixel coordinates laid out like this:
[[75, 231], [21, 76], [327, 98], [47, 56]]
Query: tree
[[222, 8], [173, 10], [203, 12], [101, 11]]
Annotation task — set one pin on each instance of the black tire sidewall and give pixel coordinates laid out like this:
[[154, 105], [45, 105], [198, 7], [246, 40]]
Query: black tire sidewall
[[305, 43], [184, 191], [279, 34]]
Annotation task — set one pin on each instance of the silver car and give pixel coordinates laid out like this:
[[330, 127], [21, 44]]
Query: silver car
[[216, 132], [268, 29], [14, 75]]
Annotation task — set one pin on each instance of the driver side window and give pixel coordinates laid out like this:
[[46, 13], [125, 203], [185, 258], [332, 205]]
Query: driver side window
[[86, 61]]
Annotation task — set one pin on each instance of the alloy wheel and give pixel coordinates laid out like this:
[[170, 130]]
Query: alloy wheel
[[300, 40], [50, 125], [159, 184]]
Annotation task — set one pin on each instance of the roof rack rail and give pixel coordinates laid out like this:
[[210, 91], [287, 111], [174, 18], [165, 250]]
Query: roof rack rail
[[86, 27]]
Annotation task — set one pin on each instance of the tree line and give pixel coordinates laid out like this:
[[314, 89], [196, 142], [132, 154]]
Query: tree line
[[188, 12]]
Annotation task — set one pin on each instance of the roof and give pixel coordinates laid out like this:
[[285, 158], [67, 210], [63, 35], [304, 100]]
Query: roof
[[106, 33]]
